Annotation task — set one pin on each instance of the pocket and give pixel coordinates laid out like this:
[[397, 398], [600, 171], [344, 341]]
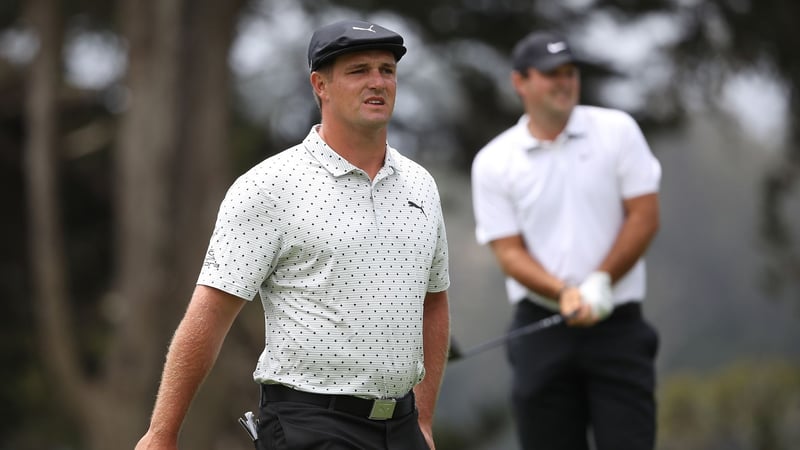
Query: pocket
[[270, 431]]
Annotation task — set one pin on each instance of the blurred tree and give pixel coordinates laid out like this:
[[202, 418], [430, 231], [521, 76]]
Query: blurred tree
[[765, 29], [170, 170], [723, 39]]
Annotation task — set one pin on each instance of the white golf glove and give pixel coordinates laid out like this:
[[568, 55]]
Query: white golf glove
[[596, 292]]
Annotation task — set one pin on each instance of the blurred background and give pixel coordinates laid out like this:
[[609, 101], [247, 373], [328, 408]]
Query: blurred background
[[122, 123]]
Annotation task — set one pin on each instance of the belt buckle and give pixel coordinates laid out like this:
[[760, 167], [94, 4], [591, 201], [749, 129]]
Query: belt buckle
[[382, 409]]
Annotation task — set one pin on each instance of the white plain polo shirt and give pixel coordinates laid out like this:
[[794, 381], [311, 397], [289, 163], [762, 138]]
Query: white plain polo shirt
[[342, 265], [565, 197]]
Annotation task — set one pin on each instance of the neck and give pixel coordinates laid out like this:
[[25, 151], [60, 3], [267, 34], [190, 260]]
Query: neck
[[365, 149], [546, 127]]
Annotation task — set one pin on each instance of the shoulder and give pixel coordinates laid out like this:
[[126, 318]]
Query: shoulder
[[410, 168], [276, 167], [406, 164], [496, 156], [269, 175], [605, 117]]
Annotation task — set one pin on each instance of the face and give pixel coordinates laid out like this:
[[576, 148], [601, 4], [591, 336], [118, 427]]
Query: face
[[358, 88], [554, 93]]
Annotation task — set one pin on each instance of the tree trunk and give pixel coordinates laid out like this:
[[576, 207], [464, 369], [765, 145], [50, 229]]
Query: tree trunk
[[171, 170], [203, 172], [54, 328], [146, 141]]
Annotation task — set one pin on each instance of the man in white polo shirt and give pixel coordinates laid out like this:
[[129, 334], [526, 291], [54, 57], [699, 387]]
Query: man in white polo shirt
[[343, 239], [567, 199]]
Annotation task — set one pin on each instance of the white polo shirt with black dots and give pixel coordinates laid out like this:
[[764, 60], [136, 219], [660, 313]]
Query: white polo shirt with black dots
[[342, 265], [565, 197]]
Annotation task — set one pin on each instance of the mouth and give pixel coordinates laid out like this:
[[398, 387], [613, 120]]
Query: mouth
[[375, 101]]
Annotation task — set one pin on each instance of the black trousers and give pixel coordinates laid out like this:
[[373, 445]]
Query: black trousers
[[572, 383], [295, 425]]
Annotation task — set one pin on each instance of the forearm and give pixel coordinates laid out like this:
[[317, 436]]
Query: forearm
[[637, 231], [436, 340], [188, 361], [191, 355], [516, 262]]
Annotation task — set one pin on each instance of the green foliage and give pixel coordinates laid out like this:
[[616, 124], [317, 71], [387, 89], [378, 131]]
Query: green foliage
[[750, 405]]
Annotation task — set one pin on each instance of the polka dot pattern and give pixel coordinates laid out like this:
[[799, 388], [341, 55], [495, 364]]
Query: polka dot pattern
[[342, 264]]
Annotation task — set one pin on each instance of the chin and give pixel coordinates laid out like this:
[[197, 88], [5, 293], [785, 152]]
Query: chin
[[377, 121]]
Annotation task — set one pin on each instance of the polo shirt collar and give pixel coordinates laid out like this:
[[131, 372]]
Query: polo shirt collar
[[334, 163], [576, 128]]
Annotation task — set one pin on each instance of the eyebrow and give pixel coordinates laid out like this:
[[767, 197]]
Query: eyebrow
[[360, 65]]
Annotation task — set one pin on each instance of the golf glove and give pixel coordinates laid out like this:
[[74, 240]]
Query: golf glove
[[596, 292]]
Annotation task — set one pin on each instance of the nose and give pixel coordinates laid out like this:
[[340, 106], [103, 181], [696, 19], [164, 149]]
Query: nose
[[376, 79]]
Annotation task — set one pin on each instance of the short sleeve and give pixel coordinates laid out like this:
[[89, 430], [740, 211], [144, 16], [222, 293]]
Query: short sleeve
[[638, 169], [245, 243], [492, 206], [439, 277]]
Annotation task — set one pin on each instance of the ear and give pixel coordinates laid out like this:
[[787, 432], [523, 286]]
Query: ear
[[518, 81], [319, 83]]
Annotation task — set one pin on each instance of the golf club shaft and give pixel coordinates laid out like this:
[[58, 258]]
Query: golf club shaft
[[547, 322]]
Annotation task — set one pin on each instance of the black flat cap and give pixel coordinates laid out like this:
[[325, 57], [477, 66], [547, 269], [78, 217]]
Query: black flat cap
[[542, 50], [346, 36]]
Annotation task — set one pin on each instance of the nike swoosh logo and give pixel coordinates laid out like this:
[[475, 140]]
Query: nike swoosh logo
[[556, 47], [365, 29]]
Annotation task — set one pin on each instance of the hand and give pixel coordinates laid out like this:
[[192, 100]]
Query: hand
[[596, 292], [148, 441], [428, 433], [573, 309]]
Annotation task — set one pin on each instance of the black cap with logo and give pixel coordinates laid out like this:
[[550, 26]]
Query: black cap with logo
[[543, 51], [346, 36]]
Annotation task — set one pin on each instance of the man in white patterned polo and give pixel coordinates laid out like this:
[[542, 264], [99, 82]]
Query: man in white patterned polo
[[343, 239]]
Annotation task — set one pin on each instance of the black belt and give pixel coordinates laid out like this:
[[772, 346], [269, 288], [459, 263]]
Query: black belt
[[375, 409], [627, 311]]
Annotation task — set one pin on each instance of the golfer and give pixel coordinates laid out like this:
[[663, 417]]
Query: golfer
[[567, 199], [343, 239]]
